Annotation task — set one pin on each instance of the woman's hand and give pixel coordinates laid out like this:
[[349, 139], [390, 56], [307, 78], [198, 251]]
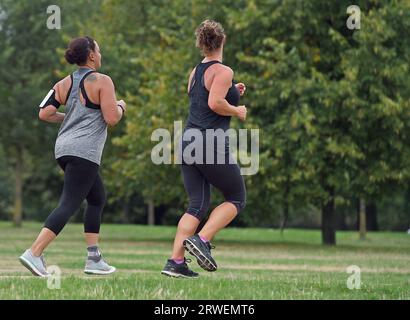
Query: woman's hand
[[241, 112], [123, 104], [241, 87]]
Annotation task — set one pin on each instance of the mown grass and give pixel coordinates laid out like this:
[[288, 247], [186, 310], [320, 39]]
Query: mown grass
[[253, 264]]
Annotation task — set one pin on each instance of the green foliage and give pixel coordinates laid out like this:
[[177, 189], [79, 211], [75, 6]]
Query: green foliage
[[28, 69], [332, 104]]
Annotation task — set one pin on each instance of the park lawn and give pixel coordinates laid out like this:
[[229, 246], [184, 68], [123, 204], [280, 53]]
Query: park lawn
[[253, 264]]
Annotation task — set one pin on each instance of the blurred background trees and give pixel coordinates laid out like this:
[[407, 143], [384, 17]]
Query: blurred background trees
[[332, 106]]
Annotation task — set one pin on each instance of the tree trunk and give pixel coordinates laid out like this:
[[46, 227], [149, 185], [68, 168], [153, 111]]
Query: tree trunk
[[329, 221], [18, 191], [362, 220], [371, 217], [285, 217], [341, 220], [126, 212], [285, 208], [406, 201], [151, 212]]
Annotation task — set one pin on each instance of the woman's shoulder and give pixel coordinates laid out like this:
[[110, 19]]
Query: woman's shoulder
[[99, 79], [65, 82], [104, 78], [223, 69]]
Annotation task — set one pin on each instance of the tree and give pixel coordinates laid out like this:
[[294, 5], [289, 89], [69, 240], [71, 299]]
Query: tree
[[25, 61], [375, 67], [308, 78], [158, 64], [29, 67]]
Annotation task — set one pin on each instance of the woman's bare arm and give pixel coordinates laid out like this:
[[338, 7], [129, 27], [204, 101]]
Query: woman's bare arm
[[112, 113], [50, 113], [220, 85]]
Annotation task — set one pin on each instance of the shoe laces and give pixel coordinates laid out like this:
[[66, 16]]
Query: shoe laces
[[191, 272], [43, 261], [187, 260], [103, 260]]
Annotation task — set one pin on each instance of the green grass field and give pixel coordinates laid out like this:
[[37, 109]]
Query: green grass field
[[253, 264]]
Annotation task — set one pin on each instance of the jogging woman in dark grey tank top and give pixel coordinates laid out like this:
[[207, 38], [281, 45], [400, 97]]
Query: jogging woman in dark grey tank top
[[214, 99], [91, 105]]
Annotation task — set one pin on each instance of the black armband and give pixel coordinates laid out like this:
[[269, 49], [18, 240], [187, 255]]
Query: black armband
[[50, 99]]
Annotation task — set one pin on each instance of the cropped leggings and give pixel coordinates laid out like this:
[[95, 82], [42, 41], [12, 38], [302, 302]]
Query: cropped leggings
[[198, 179], [81, 182]]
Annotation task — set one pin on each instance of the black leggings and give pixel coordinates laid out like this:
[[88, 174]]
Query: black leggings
[[81, 181], [198, 179]]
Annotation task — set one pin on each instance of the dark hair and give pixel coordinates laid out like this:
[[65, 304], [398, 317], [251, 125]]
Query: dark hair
[[210, 36], [79, 49]]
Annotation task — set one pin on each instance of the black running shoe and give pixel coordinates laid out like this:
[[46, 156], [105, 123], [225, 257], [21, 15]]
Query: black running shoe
[[201, 251], [173, 269]]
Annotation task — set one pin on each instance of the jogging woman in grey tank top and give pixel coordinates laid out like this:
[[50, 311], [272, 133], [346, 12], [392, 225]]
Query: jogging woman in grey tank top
[[90, 106]]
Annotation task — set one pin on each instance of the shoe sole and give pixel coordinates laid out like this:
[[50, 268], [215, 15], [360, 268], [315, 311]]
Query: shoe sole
[[31, 268], [100, 272], [203, 261], [176, 275]]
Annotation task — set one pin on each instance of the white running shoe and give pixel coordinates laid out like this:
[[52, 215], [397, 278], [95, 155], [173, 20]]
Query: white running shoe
[[36, 265], [101, 267]]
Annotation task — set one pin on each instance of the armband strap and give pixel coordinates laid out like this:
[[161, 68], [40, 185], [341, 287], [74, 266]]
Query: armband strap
[[50, 99]]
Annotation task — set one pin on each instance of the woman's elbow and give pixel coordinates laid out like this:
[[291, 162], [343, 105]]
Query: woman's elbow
[[111, 121], [213, 105]]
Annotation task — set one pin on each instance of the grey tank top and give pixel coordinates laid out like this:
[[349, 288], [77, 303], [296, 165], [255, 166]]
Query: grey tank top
[[83, 132]]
